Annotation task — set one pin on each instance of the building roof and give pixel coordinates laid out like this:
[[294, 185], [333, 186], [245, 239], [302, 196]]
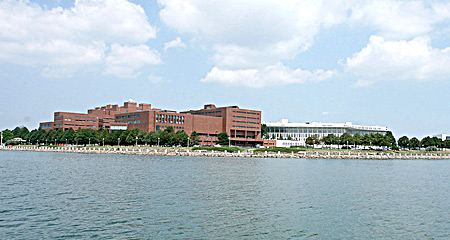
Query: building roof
[[286, 123]]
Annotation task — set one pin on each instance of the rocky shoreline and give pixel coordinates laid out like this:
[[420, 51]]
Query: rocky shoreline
[[247, 153]]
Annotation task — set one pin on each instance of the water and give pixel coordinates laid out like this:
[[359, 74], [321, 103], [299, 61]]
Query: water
[[80, 196]]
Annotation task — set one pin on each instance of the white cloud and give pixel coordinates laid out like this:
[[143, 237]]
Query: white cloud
[[154, 79], [383, 60], [325, 113], [277, 74], [64, 41], [124, 61], [88, 20], [177, 43], [251, 31], [58, 52], [250, 38], [253, 34], [400, 19]]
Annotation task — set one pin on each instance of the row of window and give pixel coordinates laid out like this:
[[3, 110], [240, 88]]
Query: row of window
[[74, 125], [129, 116], [159, 127], [208, 112], [317, 130], [245, 127], [252, 113], [163, 118], [245, 122], [245, 117], [77, 120], [46, 125], [60, 116], [131, 121]]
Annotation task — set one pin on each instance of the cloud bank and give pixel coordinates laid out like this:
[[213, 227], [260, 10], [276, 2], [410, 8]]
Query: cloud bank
[[383, 60], [249, 37], [64, 41]]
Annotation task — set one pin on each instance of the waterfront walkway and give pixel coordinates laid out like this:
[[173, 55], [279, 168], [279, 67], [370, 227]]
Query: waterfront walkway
[[246, 153]]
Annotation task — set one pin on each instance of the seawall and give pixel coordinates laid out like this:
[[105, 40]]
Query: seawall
[[246, 153]]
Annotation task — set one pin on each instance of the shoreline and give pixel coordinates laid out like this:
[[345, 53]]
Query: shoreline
[[247, 153]]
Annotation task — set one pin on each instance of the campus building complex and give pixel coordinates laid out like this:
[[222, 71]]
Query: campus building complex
[[242, 125], [297, 133]]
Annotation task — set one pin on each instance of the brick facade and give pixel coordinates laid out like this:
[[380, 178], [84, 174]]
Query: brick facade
[[243, 125]]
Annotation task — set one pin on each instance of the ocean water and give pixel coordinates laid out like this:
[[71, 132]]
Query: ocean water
[[80, 196]]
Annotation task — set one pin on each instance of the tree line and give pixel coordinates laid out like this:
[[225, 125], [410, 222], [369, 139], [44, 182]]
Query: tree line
[[83, 136], [426, 142], [371, 139]]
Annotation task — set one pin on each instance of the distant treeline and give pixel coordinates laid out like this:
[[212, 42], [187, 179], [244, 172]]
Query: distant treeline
[[180, 138], [103, 136], [377, 139]]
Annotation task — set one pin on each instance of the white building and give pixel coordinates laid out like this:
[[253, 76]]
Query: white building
[[297, 133], [443, 136]]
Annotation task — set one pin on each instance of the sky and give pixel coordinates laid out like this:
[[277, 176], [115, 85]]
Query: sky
[[384, 63]]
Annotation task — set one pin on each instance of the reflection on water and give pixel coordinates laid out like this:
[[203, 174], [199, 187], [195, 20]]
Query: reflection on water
[[63, 195]]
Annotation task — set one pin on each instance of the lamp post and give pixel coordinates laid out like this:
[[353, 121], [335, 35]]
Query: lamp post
[[188, 142], [66, 141], [136, 140], [158, 142], [229, 141], [55, 141], [103, 142], [38, 142], [89, 141], [46, 141], [118, 142]]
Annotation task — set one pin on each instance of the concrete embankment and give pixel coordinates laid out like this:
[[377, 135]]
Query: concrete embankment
[[246, 153]]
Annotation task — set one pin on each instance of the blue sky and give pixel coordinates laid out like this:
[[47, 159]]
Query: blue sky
[[383, 63]]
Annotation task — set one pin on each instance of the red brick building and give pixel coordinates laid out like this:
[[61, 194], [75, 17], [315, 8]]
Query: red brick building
[[242, 125]]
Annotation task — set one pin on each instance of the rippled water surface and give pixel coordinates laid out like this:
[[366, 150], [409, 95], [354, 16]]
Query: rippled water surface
[[80, 196]]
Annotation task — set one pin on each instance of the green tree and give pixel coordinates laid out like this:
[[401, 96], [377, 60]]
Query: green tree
[[427, 142], [181, 138], [404, 142], [151, 138], [7, 135], [23, 132], [390, 139], [194, 139], [102, 136], [414, 142], [222, 138], [346, 139], [85, 136], [357, 139], [141, 136], [123, 137], [16, 132], [264, 131], [169, 129], [446, 143], [31, 136], [311, 140], [51, 137], [437, 142], [113, 138], [69, 134], [130, 138], [330, 139]]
